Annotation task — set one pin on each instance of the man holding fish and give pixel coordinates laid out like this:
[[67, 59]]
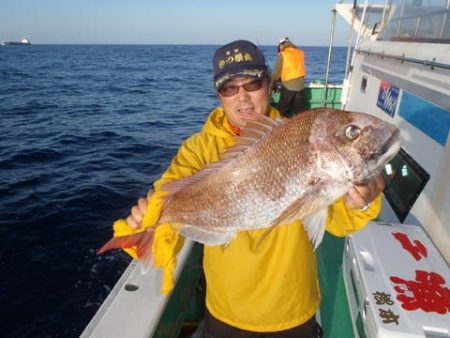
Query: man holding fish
[[259, 192]]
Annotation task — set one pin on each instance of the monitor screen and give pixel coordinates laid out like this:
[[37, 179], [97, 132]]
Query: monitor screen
[[405, 180]]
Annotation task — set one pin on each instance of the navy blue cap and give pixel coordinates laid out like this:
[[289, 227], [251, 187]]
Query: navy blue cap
[[238, 58]]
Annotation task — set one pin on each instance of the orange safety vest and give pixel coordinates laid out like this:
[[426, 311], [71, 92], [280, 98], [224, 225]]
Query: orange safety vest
[[293, 64]]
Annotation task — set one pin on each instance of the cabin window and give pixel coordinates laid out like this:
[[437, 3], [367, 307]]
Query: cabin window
[[405, 180], [417, 21]]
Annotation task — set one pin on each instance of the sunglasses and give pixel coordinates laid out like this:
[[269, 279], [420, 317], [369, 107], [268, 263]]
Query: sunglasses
[[230, 90]]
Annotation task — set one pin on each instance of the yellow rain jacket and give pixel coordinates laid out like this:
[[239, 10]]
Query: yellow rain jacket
[[272, 289]]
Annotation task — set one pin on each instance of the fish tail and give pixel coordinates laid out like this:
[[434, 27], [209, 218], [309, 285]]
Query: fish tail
[[143, 242]]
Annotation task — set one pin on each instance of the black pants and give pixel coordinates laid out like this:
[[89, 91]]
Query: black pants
[[291, 102], [216, 329]]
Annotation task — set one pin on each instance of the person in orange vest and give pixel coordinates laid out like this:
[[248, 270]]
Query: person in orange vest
[[290, 68]]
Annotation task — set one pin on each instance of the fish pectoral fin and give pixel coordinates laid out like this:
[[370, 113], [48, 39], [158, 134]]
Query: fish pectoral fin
[[315, 225], [293, 213], [312, 215], [208, 237], [257, 243]]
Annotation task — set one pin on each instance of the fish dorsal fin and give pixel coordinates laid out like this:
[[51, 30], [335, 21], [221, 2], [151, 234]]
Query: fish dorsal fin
[[259, 127], [251, 133], [173, 187]]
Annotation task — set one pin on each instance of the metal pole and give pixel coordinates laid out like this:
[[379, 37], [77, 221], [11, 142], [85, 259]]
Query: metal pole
[[385, 12], [330, 49], [360, 31], [444, 20], [400, 19], [348, 60], [350, 43]]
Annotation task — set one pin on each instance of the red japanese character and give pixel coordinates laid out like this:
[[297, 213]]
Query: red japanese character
[[417, 250], [427, 292]]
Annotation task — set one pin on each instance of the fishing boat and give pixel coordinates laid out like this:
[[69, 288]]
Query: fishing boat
[[23, 42], [398, 69]]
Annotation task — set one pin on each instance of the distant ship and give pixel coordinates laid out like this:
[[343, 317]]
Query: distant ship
[[17, 43]]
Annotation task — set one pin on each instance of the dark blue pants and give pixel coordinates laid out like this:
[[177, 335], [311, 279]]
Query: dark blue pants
[[214, 328], [291, 102]]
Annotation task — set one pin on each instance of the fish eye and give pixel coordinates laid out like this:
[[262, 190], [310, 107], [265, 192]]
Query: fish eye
[[352, 132]]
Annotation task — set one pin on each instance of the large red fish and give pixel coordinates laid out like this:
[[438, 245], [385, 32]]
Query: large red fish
[[278, 172]]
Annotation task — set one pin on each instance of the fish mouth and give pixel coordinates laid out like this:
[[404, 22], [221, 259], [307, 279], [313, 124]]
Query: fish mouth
[[391, 146]]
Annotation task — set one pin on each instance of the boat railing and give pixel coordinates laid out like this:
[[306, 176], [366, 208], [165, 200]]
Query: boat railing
[[402, 58], [317, 95]]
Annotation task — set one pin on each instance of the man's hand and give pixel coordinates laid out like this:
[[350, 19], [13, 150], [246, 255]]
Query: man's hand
[[360, 196], [134, 220]]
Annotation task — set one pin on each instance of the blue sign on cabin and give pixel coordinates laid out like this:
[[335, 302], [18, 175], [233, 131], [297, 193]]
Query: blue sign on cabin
[[426, 116], [388, 97]]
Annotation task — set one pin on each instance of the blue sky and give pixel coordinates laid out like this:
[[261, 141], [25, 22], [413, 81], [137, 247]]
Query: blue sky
[[169, 21]]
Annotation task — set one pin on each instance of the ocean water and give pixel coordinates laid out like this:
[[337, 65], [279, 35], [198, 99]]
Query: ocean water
[[85, 129]]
